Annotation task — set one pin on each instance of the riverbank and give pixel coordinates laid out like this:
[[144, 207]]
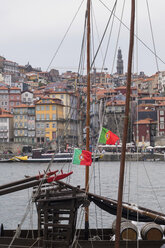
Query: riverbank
[[109, 156]]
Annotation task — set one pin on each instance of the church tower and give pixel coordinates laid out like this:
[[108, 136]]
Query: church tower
[[119, 62]]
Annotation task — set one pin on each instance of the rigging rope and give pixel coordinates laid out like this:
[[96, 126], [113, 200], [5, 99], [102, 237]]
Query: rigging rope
[[144, 44], [156, 59], [64, 36]]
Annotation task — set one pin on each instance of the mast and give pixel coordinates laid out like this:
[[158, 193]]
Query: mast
[[87, 116], [125, 130]]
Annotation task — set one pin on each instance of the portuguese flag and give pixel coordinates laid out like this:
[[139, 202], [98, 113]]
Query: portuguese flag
[[82, 157], [107, 137]]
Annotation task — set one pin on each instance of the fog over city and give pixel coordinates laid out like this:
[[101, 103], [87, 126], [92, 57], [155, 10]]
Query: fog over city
[[32, 30]]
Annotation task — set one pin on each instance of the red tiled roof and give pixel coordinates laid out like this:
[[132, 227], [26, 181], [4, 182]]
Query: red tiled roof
[[145, 121], [6, 115], [3, 88], [116, 103], [15, 88], [22, 106]]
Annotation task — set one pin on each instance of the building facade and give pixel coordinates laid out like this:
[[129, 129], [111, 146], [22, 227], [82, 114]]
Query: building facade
[[49, 120], [6, 126], [24, 124]]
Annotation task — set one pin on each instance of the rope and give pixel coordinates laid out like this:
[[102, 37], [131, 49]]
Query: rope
[[144, 44], [118, 37], [30, 202], [149, 16], [34, 242], [64, 36], [75, 240]]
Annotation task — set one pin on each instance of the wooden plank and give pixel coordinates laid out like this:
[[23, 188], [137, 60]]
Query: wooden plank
[[58, 225]]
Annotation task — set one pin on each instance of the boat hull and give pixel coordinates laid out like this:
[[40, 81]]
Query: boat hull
[[23, 241]]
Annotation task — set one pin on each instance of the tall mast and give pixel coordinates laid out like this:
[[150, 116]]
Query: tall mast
[[87, 115], [125, 130]]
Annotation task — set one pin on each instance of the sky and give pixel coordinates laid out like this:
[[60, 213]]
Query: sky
[[31, 31]]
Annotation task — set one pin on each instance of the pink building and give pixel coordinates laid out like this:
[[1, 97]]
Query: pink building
[[14, 98]]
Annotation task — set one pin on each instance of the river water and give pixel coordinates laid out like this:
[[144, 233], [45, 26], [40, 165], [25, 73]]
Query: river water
[[144, 185]]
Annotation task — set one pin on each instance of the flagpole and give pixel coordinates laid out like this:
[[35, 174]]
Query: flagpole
[[87, 118]]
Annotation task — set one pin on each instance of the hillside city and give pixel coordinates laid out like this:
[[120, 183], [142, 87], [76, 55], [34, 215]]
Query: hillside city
[[48, 109]]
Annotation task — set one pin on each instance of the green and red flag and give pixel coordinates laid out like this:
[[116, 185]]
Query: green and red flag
[[107, 137], [82, 157]]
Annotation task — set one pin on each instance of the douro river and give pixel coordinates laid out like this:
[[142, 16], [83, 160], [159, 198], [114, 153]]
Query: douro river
[[144, 185]]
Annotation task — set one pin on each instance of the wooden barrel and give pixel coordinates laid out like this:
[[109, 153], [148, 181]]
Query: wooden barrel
[[151, 231], [128, 231], [114, 224]]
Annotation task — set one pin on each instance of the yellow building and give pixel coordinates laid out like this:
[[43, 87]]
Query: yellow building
[[49, 119], [70, 102]]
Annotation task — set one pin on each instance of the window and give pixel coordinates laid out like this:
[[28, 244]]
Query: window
[[47, 125], [37, 108], [53, 116], [53, 107], [161, 125], [53, 125], [42, 125], [161, 119], [161, 112], [42, 107], [47, 107], [62, 96], [38, 117], [47, 116]]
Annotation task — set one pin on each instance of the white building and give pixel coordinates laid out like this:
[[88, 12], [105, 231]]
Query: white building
[[6, 126], [27, 97]]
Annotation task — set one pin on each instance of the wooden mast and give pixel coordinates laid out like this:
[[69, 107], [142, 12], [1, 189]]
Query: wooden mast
[[87, 116], [125, 130]]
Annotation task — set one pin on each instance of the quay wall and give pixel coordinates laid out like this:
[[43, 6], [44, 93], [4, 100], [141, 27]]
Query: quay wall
[[133, 157]]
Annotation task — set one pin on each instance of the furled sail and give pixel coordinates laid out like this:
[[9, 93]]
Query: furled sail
[[131, 212]]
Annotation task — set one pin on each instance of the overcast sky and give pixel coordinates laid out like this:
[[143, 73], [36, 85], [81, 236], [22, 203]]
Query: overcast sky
[[32, 30]]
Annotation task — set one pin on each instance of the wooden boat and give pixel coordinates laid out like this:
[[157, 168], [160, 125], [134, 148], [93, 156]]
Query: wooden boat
[[46, 158]]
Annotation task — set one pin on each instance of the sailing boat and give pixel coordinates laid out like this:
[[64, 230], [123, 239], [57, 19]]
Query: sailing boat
[[57, 204]]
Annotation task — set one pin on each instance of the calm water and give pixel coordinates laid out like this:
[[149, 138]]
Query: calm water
[[144, 185]]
